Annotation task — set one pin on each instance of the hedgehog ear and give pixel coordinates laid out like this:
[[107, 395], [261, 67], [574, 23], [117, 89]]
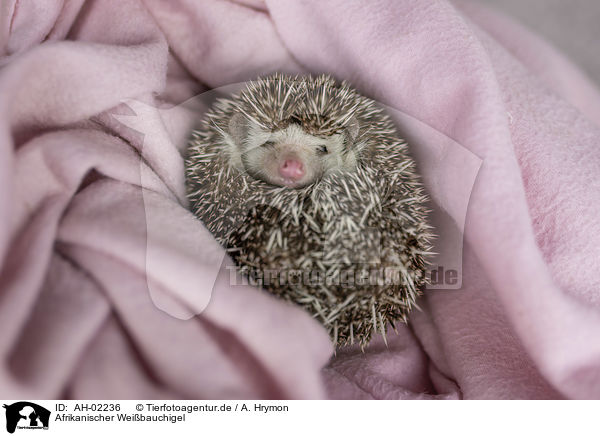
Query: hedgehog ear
[[352, 129], [239, 127]]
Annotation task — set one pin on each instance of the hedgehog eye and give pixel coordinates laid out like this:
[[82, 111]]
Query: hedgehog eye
[[323, 149], [295, 120], [269, 144]]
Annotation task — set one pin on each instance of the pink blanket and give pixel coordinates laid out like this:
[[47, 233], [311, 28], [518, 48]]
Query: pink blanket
[[88, 291]]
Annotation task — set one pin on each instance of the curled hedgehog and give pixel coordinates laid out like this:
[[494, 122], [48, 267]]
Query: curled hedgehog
[[307, 185]]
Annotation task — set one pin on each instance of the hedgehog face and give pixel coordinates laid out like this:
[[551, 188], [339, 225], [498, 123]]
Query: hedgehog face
[[290, 157]]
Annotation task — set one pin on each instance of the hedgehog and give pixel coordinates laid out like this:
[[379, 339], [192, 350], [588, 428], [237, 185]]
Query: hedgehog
[[311, 191]]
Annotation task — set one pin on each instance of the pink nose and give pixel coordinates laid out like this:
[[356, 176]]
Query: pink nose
[[291, 169]]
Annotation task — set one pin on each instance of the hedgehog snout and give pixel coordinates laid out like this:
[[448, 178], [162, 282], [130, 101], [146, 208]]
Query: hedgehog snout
[[292, 169]]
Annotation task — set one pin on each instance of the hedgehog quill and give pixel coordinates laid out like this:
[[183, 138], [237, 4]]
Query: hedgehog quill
[[307, 185]]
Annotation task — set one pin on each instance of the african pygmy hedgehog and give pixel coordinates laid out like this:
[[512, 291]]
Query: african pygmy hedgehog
[[307, 185]]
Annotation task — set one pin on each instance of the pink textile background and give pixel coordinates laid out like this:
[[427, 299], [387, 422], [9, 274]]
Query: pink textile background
[[76, 185]]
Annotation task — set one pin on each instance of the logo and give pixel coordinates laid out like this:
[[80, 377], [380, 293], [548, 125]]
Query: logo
[[26, 415]]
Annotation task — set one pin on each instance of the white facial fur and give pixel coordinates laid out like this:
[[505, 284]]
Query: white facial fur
[[261, 153]]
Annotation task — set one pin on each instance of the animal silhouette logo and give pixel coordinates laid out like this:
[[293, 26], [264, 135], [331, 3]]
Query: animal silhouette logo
[[26, 415]]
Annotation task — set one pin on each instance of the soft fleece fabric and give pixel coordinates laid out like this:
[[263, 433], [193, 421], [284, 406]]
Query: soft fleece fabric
[[83, 276]]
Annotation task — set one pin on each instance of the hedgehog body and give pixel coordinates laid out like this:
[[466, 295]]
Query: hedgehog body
[[352, 247]]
